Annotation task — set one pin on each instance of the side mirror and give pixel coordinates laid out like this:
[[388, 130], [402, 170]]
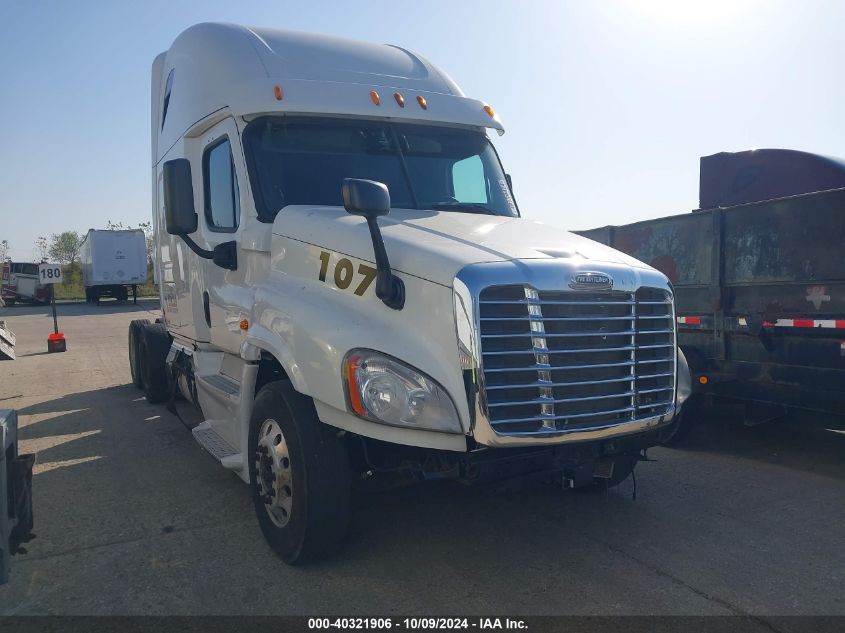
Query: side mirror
[[179, 214], [365, 197], [510, 182], [371, 199], [180, 217]]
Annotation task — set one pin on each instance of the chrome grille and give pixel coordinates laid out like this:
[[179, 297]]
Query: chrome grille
[[560, 361]]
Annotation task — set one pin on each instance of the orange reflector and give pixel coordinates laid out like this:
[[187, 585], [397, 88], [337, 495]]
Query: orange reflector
[[352, 365], [278, 92], [374, 97], [399, 99], [244, 324], [703, 380], [490, 112], [423, 103], [58, 336]]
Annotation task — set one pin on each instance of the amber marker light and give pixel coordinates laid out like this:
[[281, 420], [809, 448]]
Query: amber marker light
[[399, 99], [423, 103], [374, 97], [278, 92], [352, 365], [490, 112], [703, 380], [244, 324]]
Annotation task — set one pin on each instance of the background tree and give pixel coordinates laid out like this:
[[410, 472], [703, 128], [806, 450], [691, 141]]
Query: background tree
[[64, 247], [4, 251]]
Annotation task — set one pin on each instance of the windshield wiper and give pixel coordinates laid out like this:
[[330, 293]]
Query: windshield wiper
[[464, 207]]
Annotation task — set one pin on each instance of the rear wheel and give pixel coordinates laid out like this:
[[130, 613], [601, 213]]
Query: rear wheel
[[153, 348], [135, 328], [299, 476]]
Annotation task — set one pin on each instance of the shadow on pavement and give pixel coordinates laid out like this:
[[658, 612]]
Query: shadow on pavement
[[807, 442]]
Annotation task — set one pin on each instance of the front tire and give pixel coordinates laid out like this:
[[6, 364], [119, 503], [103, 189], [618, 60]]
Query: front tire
[[299, 476]]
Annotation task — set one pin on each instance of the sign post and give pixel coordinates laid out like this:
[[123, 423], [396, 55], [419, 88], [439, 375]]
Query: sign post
[[52, 274]]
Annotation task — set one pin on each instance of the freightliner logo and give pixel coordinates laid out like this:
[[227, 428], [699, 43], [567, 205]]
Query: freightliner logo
[[591, 281]]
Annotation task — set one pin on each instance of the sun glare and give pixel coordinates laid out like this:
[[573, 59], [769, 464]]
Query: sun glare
[[693, 11]]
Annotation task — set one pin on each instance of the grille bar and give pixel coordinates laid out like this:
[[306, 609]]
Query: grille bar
[[581, 383], [553, 319], [530, 350], [556, 303], [563, 335]]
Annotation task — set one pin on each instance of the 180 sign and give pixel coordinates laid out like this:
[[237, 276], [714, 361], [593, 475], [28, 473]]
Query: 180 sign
[[49, 273]]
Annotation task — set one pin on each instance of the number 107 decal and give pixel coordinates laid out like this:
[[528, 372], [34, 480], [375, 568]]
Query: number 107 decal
[[344, 271]]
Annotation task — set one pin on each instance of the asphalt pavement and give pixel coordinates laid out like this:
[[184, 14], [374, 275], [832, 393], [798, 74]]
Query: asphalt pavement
[[132, 517]]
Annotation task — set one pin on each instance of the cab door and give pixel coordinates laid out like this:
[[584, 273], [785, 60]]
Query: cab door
[[226, 298]]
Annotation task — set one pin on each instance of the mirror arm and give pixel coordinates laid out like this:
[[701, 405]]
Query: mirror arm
[[389, 288], [195, 247], [224, 255]]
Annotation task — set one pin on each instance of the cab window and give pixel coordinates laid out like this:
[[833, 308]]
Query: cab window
[[468, 180], [222, 198]]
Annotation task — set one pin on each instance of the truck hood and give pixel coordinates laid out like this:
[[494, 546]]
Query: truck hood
[[435, 245]]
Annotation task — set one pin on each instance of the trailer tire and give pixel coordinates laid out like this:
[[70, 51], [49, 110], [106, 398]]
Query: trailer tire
[[135, 328], [299, 476], [154, 346]]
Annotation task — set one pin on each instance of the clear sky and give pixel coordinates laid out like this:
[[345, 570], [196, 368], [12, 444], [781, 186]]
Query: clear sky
[[607, 105]]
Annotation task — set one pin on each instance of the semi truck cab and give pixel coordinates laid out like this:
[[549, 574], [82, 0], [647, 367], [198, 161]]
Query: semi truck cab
[[349, 291]]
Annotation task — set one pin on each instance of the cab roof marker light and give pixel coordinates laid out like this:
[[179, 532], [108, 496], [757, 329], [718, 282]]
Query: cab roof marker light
[[399, 99], [423, 103], [375, 98], [490, 111], [277, 91]]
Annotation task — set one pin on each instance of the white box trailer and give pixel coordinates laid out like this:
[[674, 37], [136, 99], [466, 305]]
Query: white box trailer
[[112, 262]]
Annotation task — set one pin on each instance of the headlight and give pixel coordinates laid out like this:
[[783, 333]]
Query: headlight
[[383, 389]]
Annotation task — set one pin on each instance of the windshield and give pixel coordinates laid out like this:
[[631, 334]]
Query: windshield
[[296, 161]]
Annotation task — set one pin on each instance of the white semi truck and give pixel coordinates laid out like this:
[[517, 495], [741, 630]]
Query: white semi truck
[[113, 261], [349, 292]]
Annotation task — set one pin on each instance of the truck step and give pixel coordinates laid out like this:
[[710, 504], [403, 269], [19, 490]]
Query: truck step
[[217, 446], [224, 385]]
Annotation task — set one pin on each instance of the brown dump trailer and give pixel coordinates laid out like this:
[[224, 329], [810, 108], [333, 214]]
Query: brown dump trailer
[[759, 277]]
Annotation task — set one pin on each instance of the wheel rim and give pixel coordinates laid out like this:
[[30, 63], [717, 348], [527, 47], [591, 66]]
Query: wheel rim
[[274, 476]]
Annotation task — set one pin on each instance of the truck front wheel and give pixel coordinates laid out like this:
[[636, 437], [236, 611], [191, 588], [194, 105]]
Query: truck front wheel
[[299, 476]]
